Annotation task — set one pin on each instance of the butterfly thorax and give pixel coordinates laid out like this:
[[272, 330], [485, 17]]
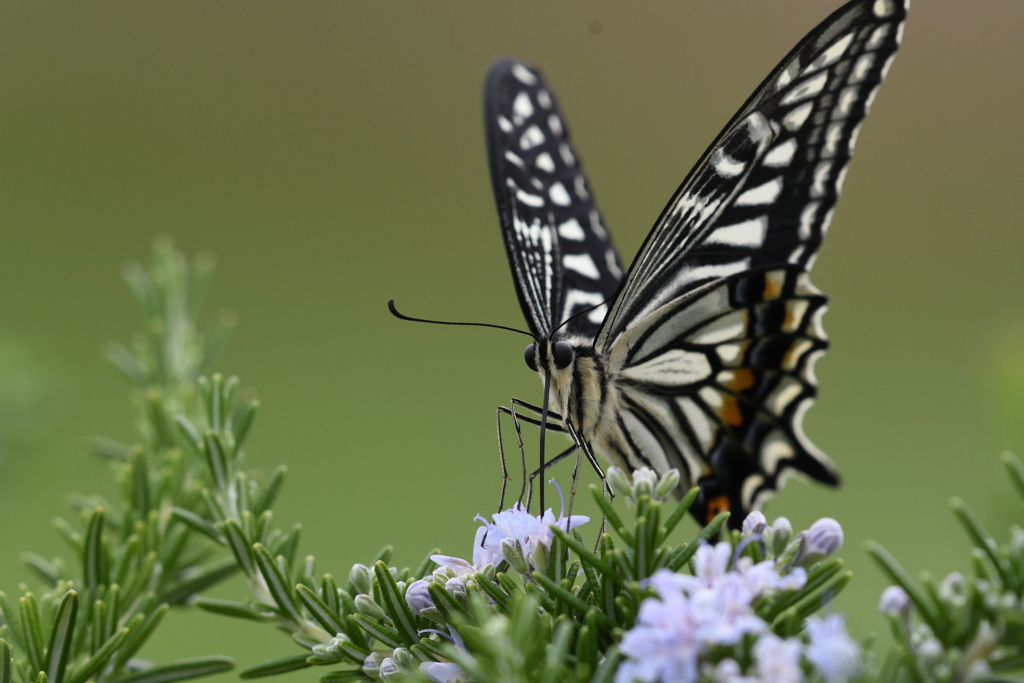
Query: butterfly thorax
[[583, 393]]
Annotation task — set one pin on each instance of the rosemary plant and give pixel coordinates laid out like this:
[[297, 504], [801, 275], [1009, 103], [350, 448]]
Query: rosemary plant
[[537, 601]]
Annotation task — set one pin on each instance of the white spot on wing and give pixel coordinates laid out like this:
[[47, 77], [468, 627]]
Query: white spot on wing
[[749, 233], [567, 156], [531, 137], [841, 177], [729, 353], [750, 486], [808, 88], [775, 448], [727, 328], [544, 99], [793, 355], [555, 124], [725, 165], [831, 55], [795, 310], [529, 199], [559, 195], [580, 185], [505, 124], [523, 74], [883, 8], [612, 263], [878, 37], [784, 394], [712, 398], [847, 98], [571, 230], [579, 298], [514, 158], [821, 174], [582, 264], [698, 420], [795, 119], [861, 67], [522, 107], [833, 136], [674, 368], [762, 194], [645, 441], [781, 154], [808, 370], [807, 217], [544, 162]]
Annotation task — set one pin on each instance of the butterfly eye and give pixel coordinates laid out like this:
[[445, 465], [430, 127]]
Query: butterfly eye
[[562, 352], [531, 357]]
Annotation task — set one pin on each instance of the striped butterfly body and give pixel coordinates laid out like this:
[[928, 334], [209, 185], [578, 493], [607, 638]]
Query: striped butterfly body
[[702, 356]]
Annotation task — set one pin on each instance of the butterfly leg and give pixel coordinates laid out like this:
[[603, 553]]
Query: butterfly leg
[[516, 418]]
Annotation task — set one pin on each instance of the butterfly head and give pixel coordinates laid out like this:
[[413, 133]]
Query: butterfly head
[[552, 356]]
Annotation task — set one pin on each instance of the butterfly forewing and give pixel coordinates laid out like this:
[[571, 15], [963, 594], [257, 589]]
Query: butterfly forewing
[[562, 258], [714, 336], [777, 203]]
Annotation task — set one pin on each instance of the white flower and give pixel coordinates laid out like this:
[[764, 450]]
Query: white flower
[[778, 660], [831, 651], [443, 672]]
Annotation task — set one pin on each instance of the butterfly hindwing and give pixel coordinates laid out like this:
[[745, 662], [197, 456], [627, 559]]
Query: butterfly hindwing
[[562, 258], [716, 383], [764, 191]]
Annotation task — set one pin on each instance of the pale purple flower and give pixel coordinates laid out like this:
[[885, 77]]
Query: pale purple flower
[[664, 644], [418, 597], [778, 660], [755, 523], [443, 672], [729, 671], [482, 556], [830, 650], [518, 524], [895, 602], [823, 539]]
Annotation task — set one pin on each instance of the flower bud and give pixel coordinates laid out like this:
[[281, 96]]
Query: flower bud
[[360, 576], [442, 574], [371, 665], [667, 484], [512, 551], [895, 603], [644, 481], [419, 600], [539, 558], [368, 608], [457, 588], [952, 590], [782, 532], [824, 538], [619, 482], [390, 671], [755, 523], [403, 658]]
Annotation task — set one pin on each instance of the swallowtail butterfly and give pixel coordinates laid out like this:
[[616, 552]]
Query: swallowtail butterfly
[[701, 356]]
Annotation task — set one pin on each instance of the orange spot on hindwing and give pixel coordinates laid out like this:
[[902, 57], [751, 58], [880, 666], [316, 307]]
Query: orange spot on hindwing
[[716, 506]]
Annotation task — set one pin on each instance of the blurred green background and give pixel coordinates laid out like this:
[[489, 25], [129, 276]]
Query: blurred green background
[[331, 154]]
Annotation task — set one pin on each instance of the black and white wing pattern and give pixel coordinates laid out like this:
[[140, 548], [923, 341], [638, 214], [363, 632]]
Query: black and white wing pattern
[[714, 335], [562, 258]]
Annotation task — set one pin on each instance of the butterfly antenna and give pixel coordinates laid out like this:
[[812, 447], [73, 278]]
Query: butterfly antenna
[[588, 310], [400, 316]]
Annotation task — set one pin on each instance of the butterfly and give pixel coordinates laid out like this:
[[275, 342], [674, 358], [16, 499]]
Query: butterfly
[[700, 357]]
